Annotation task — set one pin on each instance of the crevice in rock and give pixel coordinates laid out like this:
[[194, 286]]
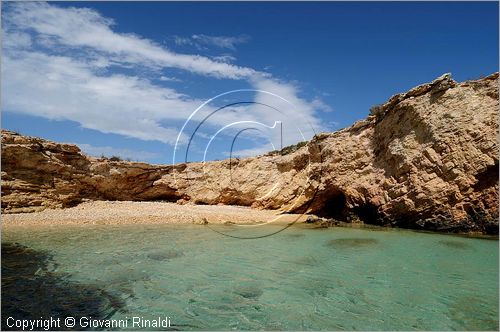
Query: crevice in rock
[[488, 178]]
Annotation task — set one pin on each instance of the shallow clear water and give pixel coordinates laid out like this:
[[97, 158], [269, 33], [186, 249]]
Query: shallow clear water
[[299, 279]]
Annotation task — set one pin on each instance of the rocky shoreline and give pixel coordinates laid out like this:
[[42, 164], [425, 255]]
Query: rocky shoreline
[[427, 159]]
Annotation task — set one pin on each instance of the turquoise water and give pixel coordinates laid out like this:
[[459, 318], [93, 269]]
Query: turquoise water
[[299, 279]]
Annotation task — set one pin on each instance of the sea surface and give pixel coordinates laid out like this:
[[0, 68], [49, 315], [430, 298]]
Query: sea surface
[[297, 279]]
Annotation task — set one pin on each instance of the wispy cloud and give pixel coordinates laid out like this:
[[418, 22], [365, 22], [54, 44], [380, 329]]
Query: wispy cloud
[[221, 41], [58, 63], [202, 42], [224, 58], [169, 79], [182, 40]]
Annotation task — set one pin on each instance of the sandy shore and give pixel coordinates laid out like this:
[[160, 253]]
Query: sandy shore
[[115, 213]]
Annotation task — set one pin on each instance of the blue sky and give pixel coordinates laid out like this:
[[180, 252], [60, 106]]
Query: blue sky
[[122, 78]]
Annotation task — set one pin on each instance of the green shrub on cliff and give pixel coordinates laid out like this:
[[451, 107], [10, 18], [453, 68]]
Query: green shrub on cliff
[[287, 149]]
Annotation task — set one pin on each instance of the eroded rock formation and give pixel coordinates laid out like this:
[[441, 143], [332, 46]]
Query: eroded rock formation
[[426, 159]]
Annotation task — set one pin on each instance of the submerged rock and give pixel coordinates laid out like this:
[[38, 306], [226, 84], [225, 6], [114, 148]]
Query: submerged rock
[[306, 260], [351, 243], [455, 244], [248, 291], [164, 255]]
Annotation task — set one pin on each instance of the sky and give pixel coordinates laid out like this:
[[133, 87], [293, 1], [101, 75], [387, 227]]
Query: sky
[[167, 82]]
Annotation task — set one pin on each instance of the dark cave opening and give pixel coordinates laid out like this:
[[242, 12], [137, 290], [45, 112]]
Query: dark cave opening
[[335, 207]]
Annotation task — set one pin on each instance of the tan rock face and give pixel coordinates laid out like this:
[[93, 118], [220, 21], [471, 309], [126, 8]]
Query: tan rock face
[[426, 159]]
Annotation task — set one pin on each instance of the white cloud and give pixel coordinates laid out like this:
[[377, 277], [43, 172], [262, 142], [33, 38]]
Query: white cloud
[[224, 58], [298, 116], [202, 42], [62, 88], [56, 64], [169, 79], [82, 27], [321, 106], [221, 41], [182, 40], [16, 40]]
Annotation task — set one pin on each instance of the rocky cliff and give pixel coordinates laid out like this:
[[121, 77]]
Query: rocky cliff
[[426, 159]]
